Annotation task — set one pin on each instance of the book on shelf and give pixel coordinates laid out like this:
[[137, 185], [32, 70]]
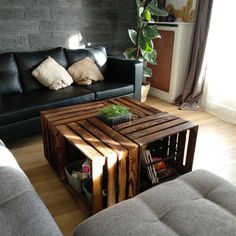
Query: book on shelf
[[156, 167], [147, 163]]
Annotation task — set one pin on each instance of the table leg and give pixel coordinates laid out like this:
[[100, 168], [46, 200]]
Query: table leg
[[97, 175]]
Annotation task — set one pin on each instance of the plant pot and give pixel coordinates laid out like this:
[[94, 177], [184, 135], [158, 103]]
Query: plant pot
[[145, 90]]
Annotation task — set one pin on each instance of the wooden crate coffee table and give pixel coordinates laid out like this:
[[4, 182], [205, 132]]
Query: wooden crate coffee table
[[71, 131]]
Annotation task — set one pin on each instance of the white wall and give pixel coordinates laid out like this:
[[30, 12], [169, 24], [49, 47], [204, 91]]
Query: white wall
[[178, 4]]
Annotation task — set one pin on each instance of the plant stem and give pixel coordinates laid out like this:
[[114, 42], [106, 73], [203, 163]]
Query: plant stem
[[140, 29]]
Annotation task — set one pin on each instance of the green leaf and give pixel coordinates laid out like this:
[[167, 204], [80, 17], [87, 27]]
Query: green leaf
[[147, 72], [150, 31], [140, 11], [155, 10], [130, 53], [114, 111], [149, 56], [147, 15], [140, 3], [133, 35], [146, 44]]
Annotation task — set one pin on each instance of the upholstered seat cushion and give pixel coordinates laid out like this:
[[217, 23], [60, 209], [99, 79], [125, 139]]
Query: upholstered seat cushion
[[29, 104], [109, 89], [21, 210], [198, 203]]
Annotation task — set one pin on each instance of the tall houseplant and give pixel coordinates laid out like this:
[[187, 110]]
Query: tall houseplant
[[142, 38]]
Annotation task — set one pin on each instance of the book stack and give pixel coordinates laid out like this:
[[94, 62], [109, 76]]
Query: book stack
[[147, 162], [156, 167]]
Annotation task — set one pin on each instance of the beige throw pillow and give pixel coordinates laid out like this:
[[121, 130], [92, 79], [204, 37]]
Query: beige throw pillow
[[52, 75], [85, 71]]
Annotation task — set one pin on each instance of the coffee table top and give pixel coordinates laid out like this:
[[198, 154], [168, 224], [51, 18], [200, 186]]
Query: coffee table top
[[148, 124]]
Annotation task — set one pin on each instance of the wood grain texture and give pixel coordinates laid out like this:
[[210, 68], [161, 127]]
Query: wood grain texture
[[215, 151]]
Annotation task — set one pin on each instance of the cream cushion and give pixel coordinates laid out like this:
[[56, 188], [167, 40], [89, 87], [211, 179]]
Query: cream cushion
[[52, 75], [85, 71]]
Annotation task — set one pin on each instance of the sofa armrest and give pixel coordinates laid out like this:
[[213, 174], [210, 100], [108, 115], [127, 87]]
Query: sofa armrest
[[120, 69]]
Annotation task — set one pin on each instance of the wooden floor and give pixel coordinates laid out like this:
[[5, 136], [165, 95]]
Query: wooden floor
[[215, 151]]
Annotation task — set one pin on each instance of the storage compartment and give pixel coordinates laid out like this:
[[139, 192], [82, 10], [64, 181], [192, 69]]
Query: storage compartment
[[75, 166], [162, 160]]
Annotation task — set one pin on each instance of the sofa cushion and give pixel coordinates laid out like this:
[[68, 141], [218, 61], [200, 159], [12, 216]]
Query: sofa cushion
[[85, 71], [198, 203], [110, 89], [21, 210], [9, 75], [29, 104], [97, 54], [52, 75], [28, 61]]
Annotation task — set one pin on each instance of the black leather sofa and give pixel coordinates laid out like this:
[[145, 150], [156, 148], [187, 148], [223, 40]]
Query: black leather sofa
[[22, 97]]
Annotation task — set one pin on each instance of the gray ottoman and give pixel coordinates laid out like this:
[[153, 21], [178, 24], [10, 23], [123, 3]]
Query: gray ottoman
[[22, 213], [198, 203]]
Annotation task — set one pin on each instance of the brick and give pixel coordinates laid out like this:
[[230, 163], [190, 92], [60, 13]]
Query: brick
[[53, 3], [61, 25], [13, 42], [70, 13], [48, 40], [84, 3], [9, 13], [37, 13], [15, 3], [19, 26]]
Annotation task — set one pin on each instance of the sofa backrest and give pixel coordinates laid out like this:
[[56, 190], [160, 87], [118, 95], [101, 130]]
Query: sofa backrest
[[9, 75], [97, 54], [16, 69], [28, 61]]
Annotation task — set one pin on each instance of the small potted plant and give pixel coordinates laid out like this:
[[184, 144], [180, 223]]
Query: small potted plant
[[142, 38], [114, 114]]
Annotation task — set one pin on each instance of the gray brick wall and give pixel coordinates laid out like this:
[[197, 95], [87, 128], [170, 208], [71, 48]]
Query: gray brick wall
[[28, 25]]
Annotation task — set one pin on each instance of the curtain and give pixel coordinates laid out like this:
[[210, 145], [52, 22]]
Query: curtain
[[197, 67], [219, 95]]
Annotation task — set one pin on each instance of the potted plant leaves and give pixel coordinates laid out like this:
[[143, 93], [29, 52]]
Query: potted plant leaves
[[114, 114], [143, 36]]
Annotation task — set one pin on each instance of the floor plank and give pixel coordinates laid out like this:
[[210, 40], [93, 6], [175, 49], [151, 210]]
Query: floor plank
[[215, 151]]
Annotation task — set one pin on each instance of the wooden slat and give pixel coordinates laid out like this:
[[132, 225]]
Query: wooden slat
[[72, 115], [97, 173], [152, 109], [138, 107], [156, 129], [75, 118], [108, 153], [146, 126], [112, 133], [133, 150], [66, 108], [191, 148], [60, 114], [180, 151], [61, 154], [92, 140], [164, 133], [119, 149], [131, 109], [78, 142], [138, 121]]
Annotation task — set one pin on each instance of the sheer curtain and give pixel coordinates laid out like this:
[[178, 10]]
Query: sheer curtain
[[219, 95]]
